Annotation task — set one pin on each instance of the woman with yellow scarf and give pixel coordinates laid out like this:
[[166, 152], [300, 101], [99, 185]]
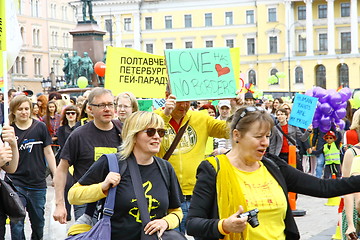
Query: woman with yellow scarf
[[244, 179]]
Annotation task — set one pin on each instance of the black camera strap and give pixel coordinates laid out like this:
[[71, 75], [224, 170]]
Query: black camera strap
[[287, 136]]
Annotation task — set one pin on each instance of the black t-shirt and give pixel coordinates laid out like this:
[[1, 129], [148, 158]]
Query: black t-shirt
[[86, 144], [32, 163], [126, 221]]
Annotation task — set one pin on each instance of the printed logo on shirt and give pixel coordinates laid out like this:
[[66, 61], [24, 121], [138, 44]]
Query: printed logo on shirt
[[28, 144], [99, 151], [152, 202], [187, 141]]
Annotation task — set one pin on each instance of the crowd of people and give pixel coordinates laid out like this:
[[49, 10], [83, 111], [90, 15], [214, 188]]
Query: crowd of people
[[224, 160]]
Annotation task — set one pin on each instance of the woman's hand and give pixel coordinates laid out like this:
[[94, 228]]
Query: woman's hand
[[5, 153], [157, 225], [169, 105], [8, 135], [234, 223], [349, 230], [111, 180]]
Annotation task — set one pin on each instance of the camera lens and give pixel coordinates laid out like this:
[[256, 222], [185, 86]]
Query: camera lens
[[253, 222]]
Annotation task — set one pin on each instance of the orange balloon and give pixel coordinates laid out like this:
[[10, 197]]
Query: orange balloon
[[100, 68]]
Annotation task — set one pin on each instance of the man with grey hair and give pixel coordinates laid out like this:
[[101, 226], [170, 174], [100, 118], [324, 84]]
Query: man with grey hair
[[85, 145]]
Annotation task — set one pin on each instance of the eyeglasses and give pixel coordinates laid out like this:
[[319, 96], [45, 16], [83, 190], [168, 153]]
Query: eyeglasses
[[103, 105], [151, 132], [123, 106], [72, 113], [249, 109]]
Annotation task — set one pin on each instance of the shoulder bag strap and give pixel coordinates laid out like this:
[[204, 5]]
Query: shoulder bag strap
[[110, 199], [176, 141], [287, 137], [140, 195]]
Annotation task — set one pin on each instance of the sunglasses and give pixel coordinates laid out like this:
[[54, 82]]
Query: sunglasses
[[151, 132], [249, 109], [326, 138], [70, 113]]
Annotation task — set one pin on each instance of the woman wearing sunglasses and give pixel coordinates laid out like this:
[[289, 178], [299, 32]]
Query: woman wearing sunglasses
[[244, 180], [142, 134], [68, 121]]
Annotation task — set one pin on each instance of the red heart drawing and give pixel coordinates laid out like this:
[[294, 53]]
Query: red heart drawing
[[220, 70]]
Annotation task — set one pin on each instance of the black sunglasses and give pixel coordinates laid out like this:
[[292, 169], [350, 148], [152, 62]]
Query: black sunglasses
[[249, 109], [151, 132], [72, 113]]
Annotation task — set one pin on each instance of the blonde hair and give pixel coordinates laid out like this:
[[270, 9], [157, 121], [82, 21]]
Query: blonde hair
[[131, 97], [15, 104], [137, 122], [355, 124]]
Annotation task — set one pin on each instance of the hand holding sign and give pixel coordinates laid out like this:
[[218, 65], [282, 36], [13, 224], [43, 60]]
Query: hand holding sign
[[5, 153], [169, 104]]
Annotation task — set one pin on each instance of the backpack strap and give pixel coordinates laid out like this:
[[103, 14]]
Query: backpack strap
[[164, 171], [110, 199]]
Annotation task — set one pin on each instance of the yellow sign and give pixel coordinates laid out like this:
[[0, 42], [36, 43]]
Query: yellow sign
[[141, 73]]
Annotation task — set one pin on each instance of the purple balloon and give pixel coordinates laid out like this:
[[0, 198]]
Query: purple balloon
[[326, 109], [324, 128], [340, 113], [341, 124], [309, 93], [319, 92], [315, 123], [325, 121], [335, 100], [344, 96], [324, 99]]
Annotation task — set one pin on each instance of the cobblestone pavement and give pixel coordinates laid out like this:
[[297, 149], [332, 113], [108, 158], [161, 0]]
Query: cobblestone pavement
[[319, 223]]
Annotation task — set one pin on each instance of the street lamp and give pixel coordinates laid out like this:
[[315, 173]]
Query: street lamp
[[57, 83], [43, 84], [62, 82]]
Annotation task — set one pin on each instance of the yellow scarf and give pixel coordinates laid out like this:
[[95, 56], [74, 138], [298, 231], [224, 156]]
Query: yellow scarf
[[229, 193]]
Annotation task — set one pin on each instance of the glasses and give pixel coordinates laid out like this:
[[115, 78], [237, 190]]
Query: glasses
[[103, 105], [326, 138], [70, 113], [248, 109], [123, 106], [151, 132]]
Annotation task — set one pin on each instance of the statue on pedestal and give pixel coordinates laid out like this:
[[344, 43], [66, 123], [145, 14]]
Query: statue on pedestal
[[87, 68], [66, 68], [89, 5], [75, 67]]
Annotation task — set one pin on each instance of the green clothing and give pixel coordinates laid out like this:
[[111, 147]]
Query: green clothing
[[332, 154]]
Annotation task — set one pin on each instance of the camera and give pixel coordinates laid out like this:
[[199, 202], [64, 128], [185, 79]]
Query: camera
[[353, 236], [252, 217]]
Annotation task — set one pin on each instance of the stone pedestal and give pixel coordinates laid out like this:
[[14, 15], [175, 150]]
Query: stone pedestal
[[88, 37]]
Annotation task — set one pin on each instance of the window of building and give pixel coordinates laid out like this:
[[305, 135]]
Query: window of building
[[150, 48], [273, 72], [345, 9], [323, 42], [302, 44], [128, 46], [208, 19], [252, 77], [23, 65], [20, 6], [343, 73], [34, 37], [188, 20], [320, 71], [230, 43], [17, 65], [209, 43], [299, 75], [272, 14], [22, 32], [345, 42], [251, 46], [127, 24], [38, 37], [148, 23], [301, 12], [322, 11], [108, 25], [273, 44], [188, 44], [228, 18], [168, 22], [250, 19], [168, 45]]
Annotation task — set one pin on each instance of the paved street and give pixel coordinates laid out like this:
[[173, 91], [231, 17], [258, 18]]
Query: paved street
[[319, 223]]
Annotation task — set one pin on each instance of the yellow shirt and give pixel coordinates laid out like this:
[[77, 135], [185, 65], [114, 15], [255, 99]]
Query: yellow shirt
[[355, 166], [263, 192]]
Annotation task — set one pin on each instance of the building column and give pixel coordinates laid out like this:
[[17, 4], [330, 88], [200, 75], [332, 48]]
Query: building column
[[331, 27], [354, 27], [309, 29], [137, 29]]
